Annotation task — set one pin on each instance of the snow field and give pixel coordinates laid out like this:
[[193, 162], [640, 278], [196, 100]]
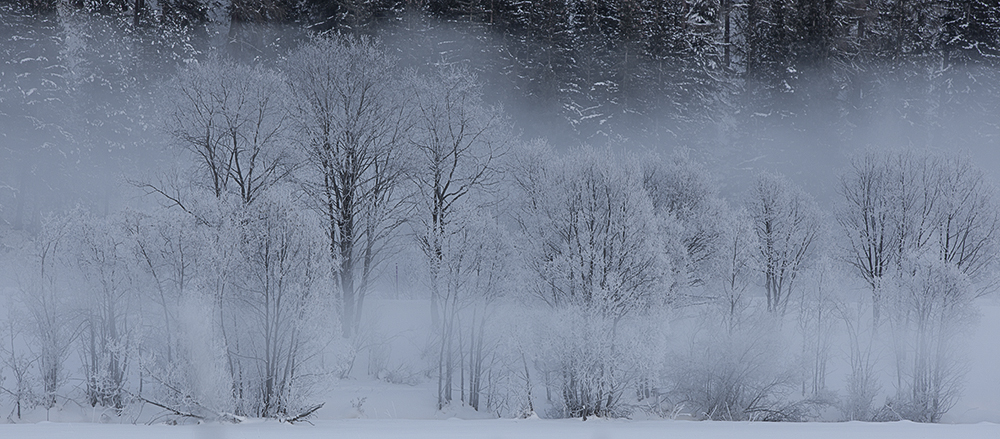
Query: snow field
[[507, 429]]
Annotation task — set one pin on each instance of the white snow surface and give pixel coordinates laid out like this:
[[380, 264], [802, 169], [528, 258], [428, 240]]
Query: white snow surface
[[505, 428]]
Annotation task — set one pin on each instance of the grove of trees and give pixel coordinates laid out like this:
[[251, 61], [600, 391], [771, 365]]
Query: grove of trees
[[278, 157]]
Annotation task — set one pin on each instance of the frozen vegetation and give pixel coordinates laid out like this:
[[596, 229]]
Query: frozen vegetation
[[521, 219]]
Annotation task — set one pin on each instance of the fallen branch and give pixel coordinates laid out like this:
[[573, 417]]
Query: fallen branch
[[171, 409], [305, 414]]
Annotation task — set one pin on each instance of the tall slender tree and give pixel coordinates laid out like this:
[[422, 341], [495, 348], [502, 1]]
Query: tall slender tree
[[786, 222], [354, 122]]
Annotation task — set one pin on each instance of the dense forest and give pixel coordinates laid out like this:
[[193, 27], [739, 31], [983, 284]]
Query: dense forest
[[197, 197], [658, 71]]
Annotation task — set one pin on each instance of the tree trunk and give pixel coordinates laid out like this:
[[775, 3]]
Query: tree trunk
[[726, 7], [346, 225], [140, 6]]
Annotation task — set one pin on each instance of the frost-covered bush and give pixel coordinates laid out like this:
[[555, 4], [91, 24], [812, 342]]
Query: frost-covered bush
[[742, 374], [593, 361]]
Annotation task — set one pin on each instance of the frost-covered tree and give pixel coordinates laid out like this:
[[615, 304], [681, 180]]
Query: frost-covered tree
[[596, 235], [457, 142], [939, 278], [682, 192], [863, 356], [730, 363], [234, 254], [473, 276], [166, 244], [735, 265], [46, 295], [932, 306], [353, 121], [491, 276], [786, 222], [816, 317], [185, 260], [16, 364], [232, 117], [238, 286], [868, 219], [108, 302], [923, 234], [594, 254], [278, 270]]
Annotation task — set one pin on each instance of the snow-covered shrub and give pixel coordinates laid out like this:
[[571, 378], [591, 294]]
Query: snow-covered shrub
[[591, 361], [402, 374], [741, 374]]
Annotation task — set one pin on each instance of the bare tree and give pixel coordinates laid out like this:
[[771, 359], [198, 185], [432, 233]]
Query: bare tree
[[353, 122], [104, 259], [940, 276], [458, 140], [867, 217], [47, 298], [786, 221], [233, 118]]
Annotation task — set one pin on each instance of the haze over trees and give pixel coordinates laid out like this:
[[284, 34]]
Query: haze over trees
[[199, 202]]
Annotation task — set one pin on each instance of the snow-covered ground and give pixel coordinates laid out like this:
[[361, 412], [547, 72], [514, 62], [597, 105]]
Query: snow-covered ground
[[502, 429]]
